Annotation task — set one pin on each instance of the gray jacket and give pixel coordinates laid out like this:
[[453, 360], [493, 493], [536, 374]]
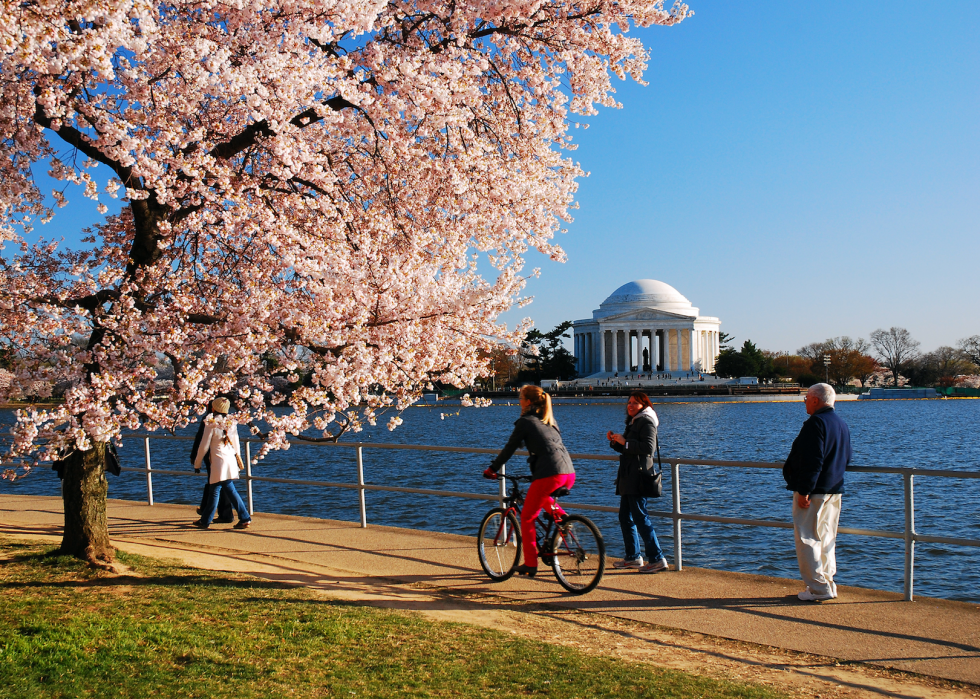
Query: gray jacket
[[548, 455], [636, 454]]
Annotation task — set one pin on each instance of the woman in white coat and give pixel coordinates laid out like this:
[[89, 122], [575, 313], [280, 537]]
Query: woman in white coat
[[220, 439]]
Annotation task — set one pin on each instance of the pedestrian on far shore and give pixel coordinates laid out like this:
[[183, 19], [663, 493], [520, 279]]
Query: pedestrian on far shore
[[551, 467], [220, 440], [636, 447], [814, 471]]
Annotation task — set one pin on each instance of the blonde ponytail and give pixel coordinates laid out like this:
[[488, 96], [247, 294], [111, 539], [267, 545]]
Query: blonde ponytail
[[540, 404]]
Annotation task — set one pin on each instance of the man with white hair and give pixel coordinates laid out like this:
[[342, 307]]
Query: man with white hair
[[814, 472]]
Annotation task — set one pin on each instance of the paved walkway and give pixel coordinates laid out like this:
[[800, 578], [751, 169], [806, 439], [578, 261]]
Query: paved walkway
[[938, 638]]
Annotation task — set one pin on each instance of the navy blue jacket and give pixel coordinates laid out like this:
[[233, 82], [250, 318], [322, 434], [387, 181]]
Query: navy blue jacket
[[819, 455], [548, 456]]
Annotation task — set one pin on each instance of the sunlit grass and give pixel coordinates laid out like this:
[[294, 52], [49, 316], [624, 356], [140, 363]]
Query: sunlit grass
[[169, 631]]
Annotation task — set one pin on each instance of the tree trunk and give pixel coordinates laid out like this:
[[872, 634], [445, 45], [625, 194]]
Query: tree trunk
[[84, 490]]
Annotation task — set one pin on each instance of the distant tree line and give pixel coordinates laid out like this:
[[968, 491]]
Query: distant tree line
[[541, 355], [890, 355], [841, 360]]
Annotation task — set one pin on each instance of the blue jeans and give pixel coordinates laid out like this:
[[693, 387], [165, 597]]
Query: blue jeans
[[635, 523], [236, 501]]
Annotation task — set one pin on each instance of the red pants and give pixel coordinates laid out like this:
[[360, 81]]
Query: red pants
[[539, 496]]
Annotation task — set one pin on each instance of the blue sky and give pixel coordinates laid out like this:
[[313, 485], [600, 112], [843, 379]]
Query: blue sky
[[800, 170]]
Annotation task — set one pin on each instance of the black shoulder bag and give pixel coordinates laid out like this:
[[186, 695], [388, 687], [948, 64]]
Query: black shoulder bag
[[651, 482]]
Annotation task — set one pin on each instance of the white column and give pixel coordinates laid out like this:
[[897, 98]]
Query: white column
[[615, 350], [684, 345], [602, 350], [628, 354], [675, 349], [596, 344], [693, 349], [600, 356]]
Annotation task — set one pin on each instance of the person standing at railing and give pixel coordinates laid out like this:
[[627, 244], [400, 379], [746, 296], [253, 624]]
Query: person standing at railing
[[225, 514], [636, 447], [220, 440], [551, 467], [814, 471]]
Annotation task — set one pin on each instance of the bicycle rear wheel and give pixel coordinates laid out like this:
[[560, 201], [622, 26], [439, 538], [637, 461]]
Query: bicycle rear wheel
[[579, 554], [499, 544]]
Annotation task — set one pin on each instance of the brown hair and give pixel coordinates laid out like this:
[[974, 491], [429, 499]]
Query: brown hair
[[642, 399], [540, 404]]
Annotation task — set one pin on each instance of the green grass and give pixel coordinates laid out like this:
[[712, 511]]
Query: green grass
[[67, 631]]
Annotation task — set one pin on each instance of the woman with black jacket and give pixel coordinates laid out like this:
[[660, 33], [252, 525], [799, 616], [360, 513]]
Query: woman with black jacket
[[551, 467], [636, 447]]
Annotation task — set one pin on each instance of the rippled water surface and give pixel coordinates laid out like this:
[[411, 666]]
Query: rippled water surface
[[937, 434]]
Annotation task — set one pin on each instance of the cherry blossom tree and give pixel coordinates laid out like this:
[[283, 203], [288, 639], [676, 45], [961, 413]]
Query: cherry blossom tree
[[314, 181]]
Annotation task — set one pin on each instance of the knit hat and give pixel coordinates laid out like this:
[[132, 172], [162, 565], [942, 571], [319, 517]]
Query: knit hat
[[221, 405]]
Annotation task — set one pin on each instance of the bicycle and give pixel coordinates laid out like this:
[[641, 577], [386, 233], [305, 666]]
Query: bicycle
[[573, 546]]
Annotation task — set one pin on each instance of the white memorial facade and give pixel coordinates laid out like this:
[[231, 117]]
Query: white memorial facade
[[645, 326]]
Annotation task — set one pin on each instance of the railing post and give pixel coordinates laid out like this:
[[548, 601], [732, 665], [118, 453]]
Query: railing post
[[502, 486], [248, 476], [149, 475], [501, 494], [360, 490], [909, 535], [675, 489]]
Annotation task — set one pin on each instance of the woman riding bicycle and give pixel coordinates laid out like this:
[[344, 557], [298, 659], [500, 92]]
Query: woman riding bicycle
[[551, 466]]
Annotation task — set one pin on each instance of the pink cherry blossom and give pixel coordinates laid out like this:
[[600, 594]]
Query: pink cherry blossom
[[339, 190]]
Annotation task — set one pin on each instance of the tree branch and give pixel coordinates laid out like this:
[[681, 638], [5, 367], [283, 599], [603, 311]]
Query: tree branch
[[261, 129], [74, 137]]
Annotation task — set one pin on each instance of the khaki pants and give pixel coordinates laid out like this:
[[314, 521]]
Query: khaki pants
[[815, 531]]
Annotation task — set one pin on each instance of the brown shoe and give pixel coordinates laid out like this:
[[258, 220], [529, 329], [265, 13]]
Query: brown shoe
[[243, 524]]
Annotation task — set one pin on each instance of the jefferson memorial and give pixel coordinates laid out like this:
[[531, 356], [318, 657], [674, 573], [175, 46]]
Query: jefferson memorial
[[645, 326]]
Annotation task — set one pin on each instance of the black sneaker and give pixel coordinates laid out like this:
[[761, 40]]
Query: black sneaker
[[225, 520], [201, 524]]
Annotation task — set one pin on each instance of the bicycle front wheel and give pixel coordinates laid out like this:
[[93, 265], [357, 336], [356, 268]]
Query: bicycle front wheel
[[579, 554], [499, 544]]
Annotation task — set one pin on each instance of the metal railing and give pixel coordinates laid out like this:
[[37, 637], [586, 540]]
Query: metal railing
[[909, 535]]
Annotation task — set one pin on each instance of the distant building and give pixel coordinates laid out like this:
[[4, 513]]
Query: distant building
[[645, 326]]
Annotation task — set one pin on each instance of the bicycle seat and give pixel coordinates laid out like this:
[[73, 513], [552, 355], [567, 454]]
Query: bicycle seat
[[560, 492]]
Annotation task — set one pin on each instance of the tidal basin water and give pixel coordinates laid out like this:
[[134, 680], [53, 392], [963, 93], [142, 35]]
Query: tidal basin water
[[938, 434]]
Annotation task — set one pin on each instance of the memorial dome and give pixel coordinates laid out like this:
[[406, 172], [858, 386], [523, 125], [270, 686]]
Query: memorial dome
[[646, 293]]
